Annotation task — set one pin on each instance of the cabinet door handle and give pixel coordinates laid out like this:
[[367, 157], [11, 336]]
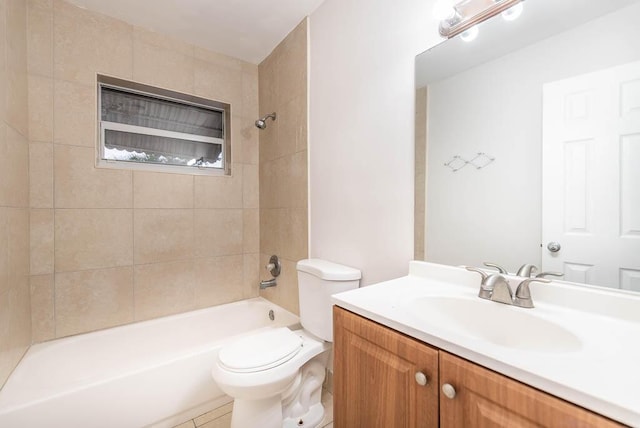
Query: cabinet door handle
[[422, 379], [449, 391]]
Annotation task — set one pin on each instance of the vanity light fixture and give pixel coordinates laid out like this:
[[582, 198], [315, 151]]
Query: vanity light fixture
[[470, 34], [513, 12], [459, 16], [444, 10]]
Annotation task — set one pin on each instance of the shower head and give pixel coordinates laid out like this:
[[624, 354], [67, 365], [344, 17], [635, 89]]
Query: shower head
[[262, 122]]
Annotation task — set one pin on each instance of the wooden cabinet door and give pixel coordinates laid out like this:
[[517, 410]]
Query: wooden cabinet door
[[375, 376], [485, 399]]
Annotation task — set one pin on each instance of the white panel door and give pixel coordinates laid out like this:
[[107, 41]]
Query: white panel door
[[591, 177]]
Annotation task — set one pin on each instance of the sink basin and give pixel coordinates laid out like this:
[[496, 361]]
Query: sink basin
[[500, 324]]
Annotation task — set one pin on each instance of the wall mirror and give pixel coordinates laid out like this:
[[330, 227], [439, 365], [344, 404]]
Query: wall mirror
[[529, 136]]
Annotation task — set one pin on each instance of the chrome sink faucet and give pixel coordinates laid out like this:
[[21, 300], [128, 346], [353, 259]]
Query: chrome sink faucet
[[496, 288]]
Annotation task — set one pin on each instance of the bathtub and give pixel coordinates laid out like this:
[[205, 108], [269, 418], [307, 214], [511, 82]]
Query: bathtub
[[154, 373]]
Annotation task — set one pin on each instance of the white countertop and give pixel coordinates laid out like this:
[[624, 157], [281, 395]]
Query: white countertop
[[601, 374]]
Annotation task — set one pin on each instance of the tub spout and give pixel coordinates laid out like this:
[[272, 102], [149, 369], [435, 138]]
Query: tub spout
[[268, 283]]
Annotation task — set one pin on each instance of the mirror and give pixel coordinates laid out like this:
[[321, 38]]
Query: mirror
[[487, 190]]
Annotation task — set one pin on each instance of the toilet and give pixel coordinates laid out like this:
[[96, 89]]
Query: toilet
[[275, 376]]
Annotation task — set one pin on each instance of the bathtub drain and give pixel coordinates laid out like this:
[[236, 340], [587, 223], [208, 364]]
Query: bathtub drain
[[271, 315]]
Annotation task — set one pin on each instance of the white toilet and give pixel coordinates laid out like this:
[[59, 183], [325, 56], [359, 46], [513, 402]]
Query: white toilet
[[276, 376]]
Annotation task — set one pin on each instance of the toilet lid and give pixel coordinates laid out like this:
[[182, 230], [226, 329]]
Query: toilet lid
[[260, 351]]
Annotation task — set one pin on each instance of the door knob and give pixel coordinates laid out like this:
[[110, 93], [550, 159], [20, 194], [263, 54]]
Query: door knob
[[421, 379], [554, 247], [449, 391]]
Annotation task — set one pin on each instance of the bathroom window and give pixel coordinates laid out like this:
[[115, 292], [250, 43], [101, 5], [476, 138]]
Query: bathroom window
[[144, 127]]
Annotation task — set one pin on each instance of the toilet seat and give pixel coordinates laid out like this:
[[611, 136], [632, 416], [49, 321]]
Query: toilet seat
[[261, 351]]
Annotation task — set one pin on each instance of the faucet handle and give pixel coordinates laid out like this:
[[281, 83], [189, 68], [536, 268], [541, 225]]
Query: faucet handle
[[485, 289], [526, 270], [480, 271], [543, 274], [496, 266], [523, 293]]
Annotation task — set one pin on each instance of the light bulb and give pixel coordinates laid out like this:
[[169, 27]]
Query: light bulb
[[443, 10], [470, 34], [513, 12]]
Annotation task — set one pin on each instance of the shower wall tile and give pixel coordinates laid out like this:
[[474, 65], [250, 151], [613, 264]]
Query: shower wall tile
[[93, 239], [18, 246], [17, 112], [93, 299], [286, 293], [3, 73], [250, 90], [162, 42], [15, 306], [218, 232], [40, 37], [164, 289], [268, 89], [283, 163], [153, 52], [218, 280], [14, 161], [41, 175], [74, 119], [15, 328], [284, 181], [296, 185], [79, 184], [251, 274], [158, 190], [163, 235], [284, 232], [43, 325], [251, 231], [273, 224], [4, 250], [40, 108], [223, 84], [245, 134], [86, 43], [42, 240], [250, 186], [16, 65], [293, 126], [296, 246], [92, 224], [291, 67], [216, 60], [219, 191], [269, 137]]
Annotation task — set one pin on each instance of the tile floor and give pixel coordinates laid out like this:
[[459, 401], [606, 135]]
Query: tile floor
[[221, 417]]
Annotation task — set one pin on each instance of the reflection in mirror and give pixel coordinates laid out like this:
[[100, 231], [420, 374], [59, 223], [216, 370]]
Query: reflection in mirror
[[554, 99]]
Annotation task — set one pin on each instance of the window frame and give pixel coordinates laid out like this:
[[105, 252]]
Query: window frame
[[163, 94]]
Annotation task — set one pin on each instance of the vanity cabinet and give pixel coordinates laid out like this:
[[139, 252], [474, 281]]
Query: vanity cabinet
[[378, 374], [377, 383], [484, 398]]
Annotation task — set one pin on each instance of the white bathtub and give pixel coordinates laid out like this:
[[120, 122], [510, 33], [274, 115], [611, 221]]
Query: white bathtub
[[151, 373]]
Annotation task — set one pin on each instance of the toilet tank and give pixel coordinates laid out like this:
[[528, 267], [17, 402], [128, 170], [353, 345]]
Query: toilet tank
[[317, 281]]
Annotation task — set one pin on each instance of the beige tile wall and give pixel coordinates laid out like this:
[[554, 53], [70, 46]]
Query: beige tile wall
[[15, 309], [283, 163], [109, 247], [420, 173]]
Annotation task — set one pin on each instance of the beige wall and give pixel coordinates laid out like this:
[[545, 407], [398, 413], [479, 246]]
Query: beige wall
[[15, 318], [420, 171], [110, 247], [283, 164]]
